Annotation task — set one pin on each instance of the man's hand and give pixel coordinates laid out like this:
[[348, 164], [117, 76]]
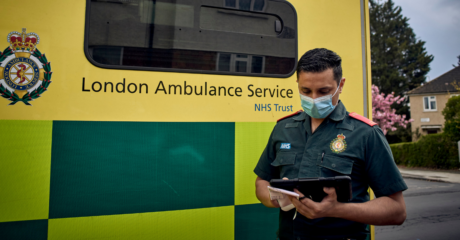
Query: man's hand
[[313, 210], [385, 210], [263, 195], [275, 203]]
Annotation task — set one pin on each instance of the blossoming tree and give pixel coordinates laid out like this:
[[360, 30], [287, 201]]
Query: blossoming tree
[[383, 114]]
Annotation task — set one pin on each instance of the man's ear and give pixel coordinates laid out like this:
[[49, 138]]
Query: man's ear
[[342, 83]]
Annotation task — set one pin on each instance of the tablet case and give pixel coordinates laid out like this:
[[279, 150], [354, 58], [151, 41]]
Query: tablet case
[[313, 187]]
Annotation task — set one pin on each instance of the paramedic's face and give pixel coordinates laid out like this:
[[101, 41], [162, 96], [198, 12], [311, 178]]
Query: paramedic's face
[[319, 84]]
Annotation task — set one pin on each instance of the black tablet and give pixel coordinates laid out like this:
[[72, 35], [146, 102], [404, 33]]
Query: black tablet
[[313, 187]]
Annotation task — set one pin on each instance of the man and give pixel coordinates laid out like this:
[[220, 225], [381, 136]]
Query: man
[[326, 141]]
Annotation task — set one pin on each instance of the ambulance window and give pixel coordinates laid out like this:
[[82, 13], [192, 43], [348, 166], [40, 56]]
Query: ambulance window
[[253, 5], [238, 37]]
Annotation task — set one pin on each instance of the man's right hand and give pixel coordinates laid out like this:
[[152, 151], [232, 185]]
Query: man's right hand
[[275, 203], [263, 195]]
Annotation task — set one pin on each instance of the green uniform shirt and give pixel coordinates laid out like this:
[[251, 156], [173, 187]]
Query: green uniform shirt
[[340, 146]]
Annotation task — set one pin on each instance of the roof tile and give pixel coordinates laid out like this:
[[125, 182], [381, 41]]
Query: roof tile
[[441, 84]]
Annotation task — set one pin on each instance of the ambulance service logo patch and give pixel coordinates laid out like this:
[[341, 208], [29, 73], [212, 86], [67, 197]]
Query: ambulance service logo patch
[[25, 71], [339, 145], [285, 146]]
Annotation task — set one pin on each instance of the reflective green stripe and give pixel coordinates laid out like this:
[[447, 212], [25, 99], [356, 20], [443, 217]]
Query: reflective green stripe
[[24, 230], [105, 168], [255, 221]]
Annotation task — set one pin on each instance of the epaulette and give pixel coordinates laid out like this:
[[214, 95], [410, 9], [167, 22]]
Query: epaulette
[[290, 115], [362, 119]]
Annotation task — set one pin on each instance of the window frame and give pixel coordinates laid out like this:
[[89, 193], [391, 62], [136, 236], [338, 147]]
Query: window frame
[[159, 69], [429, 109]]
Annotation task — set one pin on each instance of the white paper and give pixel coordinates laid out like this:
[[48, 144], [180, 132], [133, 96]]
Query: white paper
[[283, 200]]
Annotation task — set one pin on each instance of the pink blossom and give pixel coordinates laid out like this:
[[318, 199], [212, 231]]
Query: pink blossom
[[383, 114]]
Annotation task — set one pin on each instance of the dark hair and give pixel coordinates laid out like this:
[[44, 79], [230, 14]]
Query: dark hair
[[319, 60]]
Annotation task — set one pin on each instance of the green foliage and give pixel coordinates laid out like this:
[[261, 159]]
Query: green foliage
[[432, 151], [399, 60], [458, 64], [417, 134], [452, 118], [400, 135]]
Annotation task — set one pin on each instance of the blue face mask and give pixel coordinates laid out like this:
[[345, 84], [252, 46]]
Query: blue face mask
[[320, 107]]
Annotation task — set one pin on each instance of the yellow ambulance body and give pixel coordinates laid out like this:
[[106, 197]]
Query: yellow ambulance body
[[144, 119]]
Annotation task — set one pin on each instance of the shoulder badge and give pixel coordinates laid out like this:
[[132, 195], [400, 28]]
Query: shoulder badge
[[362, 119], [290, 115], [25, 71]]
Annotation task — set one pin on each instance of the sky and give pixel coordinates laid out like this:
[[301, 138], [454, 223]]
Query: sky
[[437, 22]]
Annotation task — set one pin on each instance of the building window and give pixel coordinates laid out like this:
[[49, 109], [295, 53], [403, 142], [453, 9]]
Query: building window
[[429, 103], [240, 63], [248, 5]]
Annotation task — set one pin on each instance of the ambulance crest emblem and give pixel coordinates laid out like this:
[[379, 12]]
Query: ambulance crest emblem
[[25, 71], [339, 145]]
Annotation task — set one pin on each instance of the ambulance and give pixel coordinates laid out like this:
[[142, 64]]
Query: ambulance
[[144, 119]]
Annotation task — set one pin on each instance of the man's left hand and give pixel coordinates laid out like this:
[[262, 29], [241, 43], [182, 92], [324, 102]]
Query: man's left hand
[[313, 210]]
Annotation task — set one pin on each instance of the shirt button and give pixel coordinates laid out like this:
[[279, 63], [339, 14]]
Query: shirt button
[[333, 165]]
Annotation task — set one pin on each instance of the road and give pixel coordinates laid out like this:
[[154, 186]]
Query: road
[[433, 212]]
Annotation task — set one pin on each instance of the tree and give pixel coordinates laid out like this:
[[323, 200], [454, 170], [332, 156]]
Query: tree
[[383, 114], [452, 118], [399, 60], [458, 64]]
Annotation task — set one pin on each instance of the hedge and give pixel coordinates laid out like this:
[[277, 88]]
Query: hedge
[[431, 151]]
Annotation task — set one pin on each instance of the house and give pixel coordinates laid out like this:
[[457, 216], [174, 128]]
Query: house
[[428, 101]]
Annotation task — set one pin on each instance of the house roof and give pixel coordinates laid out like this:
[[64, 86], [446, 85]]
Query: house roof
[[441, 84]]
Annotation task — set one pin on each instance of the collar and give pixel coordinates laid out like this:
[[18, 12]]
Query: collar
[[339, 112], [302, 116]]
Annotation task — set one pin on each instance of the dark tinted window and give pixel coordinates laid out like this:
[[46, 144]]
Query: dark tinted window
[[245, 5], [206, 36], [224, 62], [259, 5], [230, 3], [257, 63]]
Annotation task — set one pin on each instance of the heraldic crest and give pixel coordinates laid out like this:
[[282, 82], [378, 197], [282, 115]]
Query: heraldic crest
[[338, 145], [25, 71]]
